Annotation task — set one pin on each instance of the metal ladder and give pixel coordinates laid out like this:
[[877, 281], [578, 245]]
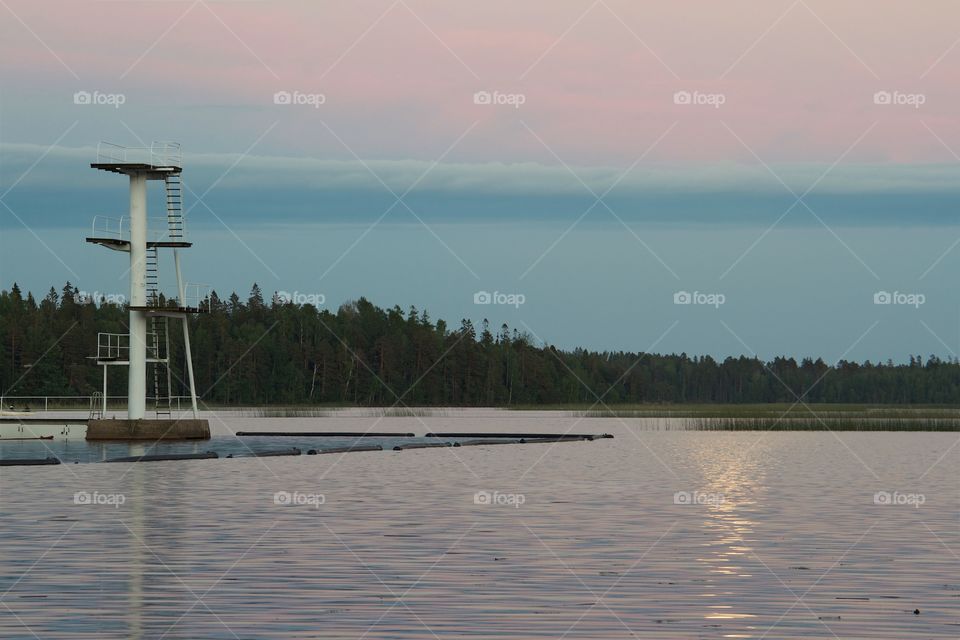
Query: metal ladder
[[96, 407], [161, 365], [153, 277], [174, 207]]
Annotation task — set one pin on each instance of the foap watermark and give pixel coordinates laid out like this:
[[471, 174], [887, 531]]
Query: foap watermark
[[99, 98], [85, 297], [316, 299], [96, 498], [511, 299], [899, 298], [698, 497], [895, 498], [496, 98], [899, 99], [296, 498], [699, 99], [698, 297], [299, 98], [499, 499]]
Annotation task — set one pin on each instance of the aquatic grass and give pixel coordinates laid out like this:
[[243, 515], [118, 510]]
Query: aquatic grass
[[361, 412], [821, 423], [781, 417], [771, 411]]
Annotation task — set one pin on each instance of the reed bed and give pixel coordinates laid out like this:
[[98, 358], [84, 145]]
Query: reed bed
[[365, 412], [812, 412], [820, 423]]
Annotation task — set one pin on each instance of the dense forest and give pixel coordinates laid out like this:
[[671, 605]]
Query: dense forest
[[256, 352]]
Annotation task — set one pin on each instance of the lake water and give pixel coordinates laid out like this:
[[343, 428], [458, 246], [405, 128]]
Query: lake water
[[653, 534]]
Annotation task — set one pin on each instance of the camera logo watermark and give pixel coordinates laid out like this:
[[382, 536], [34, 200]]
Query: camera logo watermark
[[99, 98], [96, 498], [698, 98], [299, 98], [896, 498], [496, 98], [899, 298], [698, 297], [499, 499], [698, 497], [512, 299], [288, 499], [85, 297], [316, 299], [899, 99]]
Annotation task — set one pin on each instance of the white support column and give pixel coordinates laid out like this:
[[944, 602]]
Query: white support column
[[181, 291], [189, 357], [137, 381], [103, 413]]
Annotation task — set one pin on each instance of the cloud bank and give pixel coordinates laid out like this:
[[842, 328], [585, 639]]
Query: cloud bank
[[49, 182]]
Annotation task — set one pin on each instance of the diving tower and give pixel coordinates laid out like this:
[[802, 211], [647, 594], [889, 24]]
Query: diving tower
[[146, 345]]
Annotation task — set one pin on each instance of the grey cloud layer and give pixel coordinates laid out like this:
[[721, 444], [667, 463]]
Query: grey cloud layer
[[62, 191]]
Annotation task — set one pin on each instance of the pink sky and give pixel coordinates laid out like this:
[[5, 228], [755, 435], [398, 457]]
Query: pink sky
[[797, 78]]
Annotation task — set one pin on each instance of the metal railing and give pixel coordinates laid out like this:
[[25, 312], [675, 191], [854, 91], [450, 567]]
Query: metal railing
[[36, 404], [107, 227], [119, 229], [196, 295], [159, 154], [116, 346], [113, 346]]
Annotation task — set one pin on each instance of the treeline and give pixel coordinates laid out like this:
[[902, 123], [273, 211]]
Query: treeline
[[251, 351]]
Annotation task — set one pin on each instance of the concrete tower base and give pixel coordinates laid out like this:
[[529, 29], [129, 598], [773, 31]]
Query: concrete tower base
[[145, 429]]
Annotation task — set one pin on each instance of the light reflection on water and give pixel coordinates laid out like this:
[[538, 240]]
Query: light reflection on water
[[732, 482], [398, 549]]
